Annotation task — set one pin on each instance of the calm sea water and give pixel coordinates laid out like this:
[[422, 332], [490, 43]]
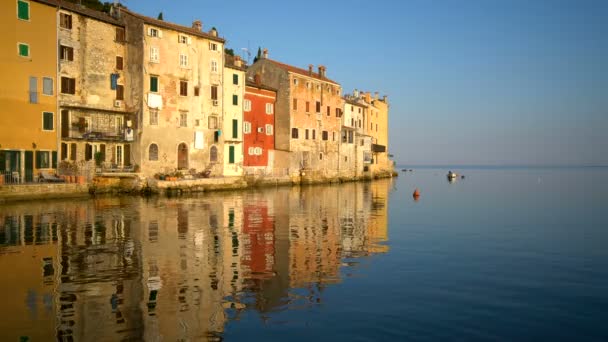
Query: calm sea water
[[508, 254]]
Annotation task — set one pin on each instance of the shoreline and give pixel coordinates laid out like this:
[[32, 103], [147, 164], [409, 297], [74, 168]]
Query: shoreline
[[137, 185]]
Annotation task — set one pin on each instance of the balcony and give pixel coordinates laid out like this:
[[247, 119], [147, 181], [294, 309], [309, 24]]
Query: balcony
[[122, 135], [378, 148]]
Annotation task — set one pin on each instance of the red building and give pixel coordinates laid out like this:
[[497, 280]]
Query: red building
[[258, 124]]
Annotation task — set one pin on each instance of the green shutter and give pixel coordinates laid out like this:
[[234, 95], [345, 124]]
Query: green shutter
[[154, 84], [235, 79], [231, 154], [24, 50], [54, 156], [23, 10], [235, 128], [47, 121], [235, 100], [38, 159]]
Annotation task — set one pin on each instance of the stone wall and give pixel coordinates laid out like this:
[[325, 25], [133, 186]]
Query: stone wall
[[42, 191]]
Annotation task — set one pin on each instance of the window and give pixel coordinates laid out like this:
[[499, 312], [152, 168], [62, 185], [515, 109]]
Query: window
[[295, 104], [183, 60], [183, 88], [307, 107], [269, 108], [23, 49], [47, 121], [246, 127], [306, 135], [42, 160], [47, 85], [66, 53], [197, 91], [328, 111], [154, 54], [338, 112], [235, 128], [350, 137], [214, 66], [65, 21], [212, 122], [212, 46], [251, 151], [214, 92], [153, 152], [120, 92], [152, 32], [307, 85], [33, 89], [154, 84], [318, 87], [235, 79], [183, 119], [324, 135], [333, 136], [153, 117], [119, 63], [73, 151], [257, 151], [68, 85], [183, 39], [320, 156], [294, 133], [318, 107], [230, 154], [359, 123], [247, 105], [23, 10], [268, 129], [314, 134], [120, 34], [295, 81], [235, 100], [213, 154], [376, 127], [344, 137]]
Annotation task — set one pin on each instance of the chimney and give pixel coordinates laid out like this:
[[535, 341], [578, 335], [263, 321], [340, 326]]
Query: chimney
[[356, 93], [322, 71], [385, 99], [368, 97], [212, 32], [310, 66], [376, 96], [257, 79], [237, 61], [265, 53], [197, 25]]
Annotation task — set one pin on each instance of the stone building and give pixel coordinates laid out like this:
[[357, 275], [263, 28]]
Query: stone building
[[377, 128], [356, 144], [259, 128], [28, 90], [181, 74], [232, 132], [307, 117], [97, 109]]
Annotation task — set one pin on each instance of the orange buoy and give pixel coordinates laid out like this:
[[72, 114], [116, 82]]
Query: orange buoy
[[416, 193]]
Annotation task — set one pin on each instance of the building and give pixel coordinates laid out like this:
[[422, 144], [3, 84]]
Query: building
[[98, 121], [377, 128], [307, 117], [181, 89], [355, 112], [28, 89], [232, 132], [259, 127]]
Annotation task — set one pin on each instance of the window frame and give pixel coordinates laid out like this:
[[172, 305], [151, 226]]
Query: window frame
[[183, 119], [153, 113], [235, 100], [269, 108], [154, 54], [120, 92], [235, 79], [62, 16], [121, 65], [52, 121], [44, 78], [68, 56], [246, 127], [39, 165], [120, 35], [269, 129], [150, 150], [71, 85], [247, 105], [214, 66], [157, 83], [183, 61], [183, 88], [29, 10]]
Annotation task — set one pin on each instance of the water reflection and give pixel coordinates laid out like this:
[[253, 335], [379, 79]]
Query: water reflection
[[179, 268]]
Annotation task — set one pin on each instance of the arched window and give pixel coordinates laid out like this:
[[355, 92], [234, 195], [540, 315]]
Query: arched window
[[213, 154], [153, 152]]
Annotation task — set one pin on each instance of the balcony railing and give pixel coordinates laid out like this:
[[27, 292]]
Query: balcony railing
[[378, 148], [110, 135]]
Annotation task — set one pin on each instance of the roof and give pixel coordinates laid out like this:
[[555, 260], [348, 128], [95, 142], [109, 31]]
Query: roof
[[259, 86], [229, 63], [172, 26], [291, 68], [354, 102], [87, 12]]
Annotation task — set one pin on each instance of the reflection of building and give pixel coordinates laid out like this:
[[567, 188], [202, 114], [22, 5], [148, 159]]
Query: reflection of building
[[180, 268]]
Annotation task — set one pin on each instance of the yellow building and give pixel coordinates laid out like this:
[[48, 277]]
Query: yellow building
[[28, 90]]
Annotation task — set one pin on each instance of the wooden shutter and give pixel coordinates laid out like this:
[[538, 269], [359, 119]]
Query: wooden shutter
[[102, 149], [231, 154], [127, 155], [119, 65]]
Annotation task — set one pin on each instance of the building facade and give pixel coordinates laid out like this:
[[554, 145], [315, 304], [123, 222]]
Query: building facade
[[259, 127], [232, 131], [181, 88], [28, 89], [307, 117], [98, 122]]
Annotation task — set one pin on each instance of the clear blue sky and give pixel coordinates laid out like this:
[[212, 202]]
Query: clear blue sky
[[469, 82]]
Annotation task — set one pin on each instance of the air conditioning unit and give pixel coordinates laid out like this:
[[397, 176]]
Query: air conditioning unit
[[215, 102], [260, 129], [117, 103]]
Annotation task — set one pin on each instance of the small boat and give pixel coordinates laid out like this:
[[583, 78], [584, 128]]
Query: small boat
[[452, 175]]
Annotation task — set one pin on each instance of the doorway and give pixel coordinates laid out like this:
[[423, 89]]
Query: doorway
[[182, 157]]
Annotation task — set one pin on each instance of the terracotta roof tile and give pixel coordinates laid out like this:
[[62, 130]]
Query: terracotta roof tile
[[300, 71]]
